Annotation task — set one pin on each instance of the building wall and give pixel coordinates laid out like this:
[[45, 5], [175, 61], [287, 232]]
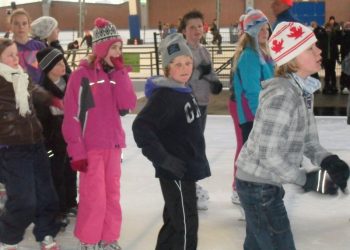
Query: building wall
[[161, 10]]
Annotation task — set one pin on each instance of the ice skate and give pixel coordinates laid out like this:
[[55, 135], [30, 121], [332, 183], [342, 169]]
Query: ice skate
[[111, 246], [49, 244], [202, 198], [85, 246], [4, 246]]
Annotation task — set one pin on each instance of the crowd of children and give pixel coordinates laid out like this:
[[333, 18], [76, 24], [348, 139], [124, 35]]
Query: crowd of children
[[55, 123]]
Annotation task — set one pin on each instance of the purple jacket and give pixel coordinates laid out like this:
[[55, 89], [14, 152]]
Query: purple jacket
[[91, 109]]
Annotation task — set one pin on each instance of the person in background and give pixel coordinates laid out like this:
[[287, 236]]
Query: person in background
[[72, 48], [98, 93], [345, 57], [281, 10], [51, 61], [88, 40], [252, 64], [46, 29], [27, 47], [284, 132], [24, 165], [204, 80], [328, 43], [169, 132]]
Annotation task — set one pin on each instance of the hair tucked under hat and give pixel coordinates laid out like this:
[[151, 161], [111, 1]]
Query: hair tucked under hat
[[48, 58], [104, 35], [42, 27], [172, 46], [288, 40]]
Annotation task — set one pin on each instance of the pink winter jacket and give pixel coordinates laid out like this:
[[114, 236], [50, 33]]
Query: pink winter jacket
[[91, 109]]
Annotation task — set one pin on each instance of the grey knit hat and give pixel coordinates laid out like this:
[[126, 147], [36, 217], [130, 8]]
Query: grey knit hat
[[172, 46], [42, 27]]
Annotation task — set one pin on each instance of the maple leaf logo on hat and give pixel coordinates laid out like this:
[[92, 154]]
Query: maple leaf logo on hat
[[295, 32], [277, 45]]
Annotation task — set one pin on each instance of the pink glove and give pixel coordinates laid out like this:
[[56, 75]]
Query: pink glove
[[118, 62], [79, 165], [57, 102]]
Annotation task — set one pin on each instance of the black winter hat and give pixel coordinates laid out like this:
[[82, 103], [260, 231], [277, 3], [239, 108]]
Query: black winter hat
[[48, 58]]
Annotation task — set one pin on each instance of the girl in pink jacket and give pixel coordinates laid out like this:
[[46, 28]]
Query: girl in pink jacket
[[98, 93]]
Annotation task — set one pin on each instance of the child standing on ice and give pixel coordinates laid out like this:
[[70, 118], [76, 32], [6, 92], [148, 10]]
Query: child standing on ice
[[169, 132], [284, 131], [98, 93]]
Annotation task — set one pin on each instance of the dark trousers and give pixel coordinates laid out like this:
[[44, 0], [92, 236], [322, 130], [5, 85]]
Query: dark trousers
[[267, 223], [330, 78], [64, 178], [30, 191], [180, 216], [245, 130]]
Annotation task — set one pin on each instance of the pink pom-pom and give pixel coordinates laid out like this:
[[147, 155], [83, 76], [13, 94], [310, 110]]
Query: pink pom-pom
[[101, 22]]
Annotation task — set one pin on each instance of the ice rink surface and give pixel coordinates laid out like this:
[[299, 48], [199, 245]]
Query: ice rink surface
[[318, 222]]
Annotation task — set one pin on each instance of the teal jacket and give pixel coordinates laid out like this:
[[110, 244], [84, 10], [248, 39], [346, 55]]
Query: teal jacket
[[249, 74]]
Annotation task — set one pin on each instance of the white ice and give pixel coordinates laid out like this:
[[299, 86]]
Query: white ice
[[318, 222]]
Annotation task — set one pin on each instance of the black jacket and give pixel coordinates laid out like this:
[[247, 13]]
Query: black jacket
[[169, 124]]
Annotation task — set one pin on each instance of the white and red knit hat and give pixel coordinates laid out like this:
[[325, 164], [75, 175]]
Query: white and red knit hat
[[104, 35], [288, 40]]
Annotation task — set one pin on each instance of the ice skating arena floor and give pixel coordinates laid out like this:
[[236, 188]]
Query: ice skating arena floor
[[318, 222]]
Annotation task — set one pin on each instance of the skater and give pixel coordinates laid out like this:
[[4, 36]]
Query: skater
[[27, 47], [204, 81], [51, 61], [46, 29], [169, 132], [284, 131], [252, 64], [24, 165], [98, 93]]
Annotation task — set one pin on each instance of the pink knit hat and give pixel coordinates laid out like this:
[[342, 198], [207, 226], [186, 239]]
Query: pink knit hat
[[288, 2], [104, 35], [288, 40]]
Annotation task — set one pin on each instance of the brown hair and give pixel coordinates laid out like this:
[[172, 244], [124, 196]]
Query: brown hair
[[193, 14], [18, 12], [5, 43]]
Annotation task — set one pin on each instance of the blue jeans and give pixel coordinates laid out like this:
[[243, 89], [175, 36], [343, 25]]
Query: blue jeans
[[267, 223], [31, 194]]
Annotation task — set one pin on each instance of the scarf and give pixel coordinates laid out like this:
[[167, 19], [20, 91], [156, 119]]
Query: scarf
[[19, 80], [309, 84]]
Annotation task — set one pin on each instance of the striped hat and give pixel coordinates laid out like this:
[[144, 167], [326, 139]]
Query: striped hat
[[288, 40], [253, 21], [48, 58], [104, 35]]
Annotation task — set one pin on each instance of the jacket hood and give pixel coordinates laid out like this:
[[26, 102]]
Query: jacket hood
[[163, 82]]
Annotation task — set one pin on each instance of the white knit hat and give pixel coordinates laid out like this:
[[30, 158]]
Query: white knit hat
[[42, 27], [288, 40]]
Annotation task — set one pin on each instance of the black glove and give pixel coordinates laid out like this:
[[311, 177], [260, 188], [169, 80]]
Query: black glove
[[123, 112], [320, 182], [204, 69], [337, 169], [174, 165], [215, 87]]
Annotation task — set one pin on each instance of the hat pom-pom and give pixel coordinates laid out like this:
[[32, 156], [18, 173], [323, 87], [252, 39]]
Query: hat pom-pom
[[101, 22]]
